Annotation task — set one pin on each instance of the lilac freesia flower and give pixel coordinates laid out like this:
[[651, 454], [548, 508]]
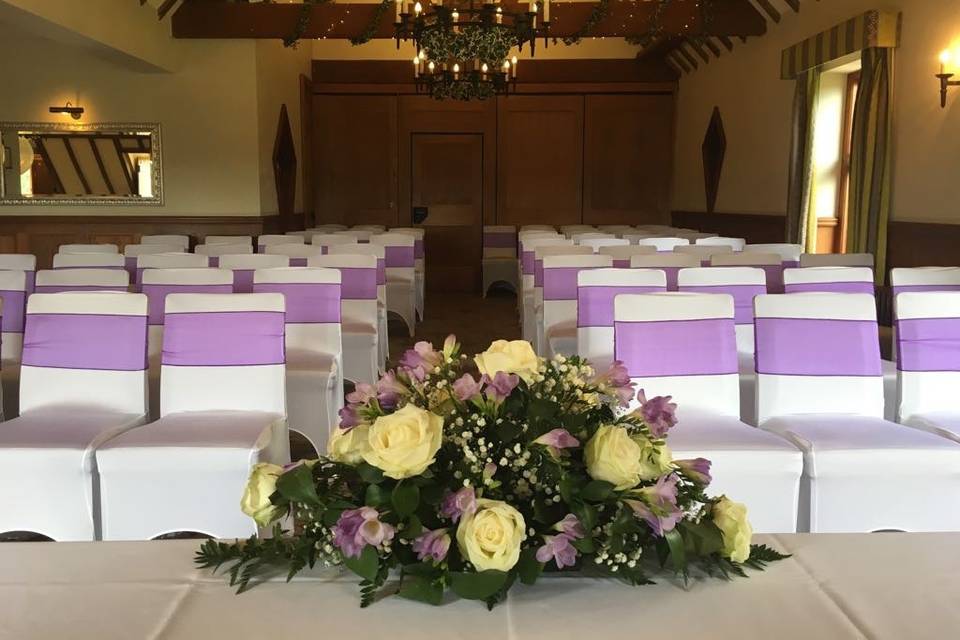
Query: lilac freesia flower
[[362, 393], [420, 360], [556, 440], [357, 528], [455, 504], [501, 385], [658, 505], [389, 390], [466, 387], [697, 470], [659, 414], [571, 527], [559, 549], [348, 417], [432, 544], [617, 379]]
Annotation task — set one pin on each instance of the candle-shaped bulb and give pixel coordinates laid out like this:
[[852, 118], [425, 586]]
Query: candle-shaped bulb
[[499, 15], [456, 67], [398, 6], [546, 11], [417, 8], [945, 57], [506, 66], [513, 66], [484, 68], [422, 55], [455, 15], [416, 67], [431, 66]]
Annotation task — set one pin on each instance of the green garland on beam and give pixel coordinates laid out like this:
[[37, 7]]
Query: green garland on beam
[[374, 25], [303, 21], [600, 11]]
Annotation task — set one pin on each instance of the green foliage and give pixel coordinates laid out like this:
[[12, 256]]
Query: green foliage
[[422, 589], [761, 555], [405, 498], [296, 485], [374, 25], [528, 567], [491, 46], [366, 565], [477, 586]]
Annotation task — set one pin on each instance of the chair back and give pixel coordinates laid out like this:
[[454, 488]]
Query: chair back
[[616, 229], [682, 345], [133, 251], [419, 236], [928, 352], [703, 251], [223, 353], [247, 240], [828, 280], [269, 239], [88, 261], [298, 254], [924, 279], [743, 284], [399, 255], [737, 244], [361, 235], [169, 261], [499, 241], [817, 353], [578, 238], [770, 263], [693, 236], [214, 251], [180, 241], [560, 286], [326, 228], [86, 350], [527, 247], [375, 228], [88, 248], [622, 253], [21, 262], [668, 262], [243, 265], [607, 241], [327, 240], [664, 244], [13, 306], [368, 249], [836, 260], [789, 253], [596, 291], [358, 286], [538, 227], [71, 280]]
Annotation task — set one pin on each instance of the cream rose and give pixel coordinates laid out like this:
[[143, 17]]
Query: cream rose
[[347, 446], [404, 443], [256, 496], [490, 536], [614, 456], [516, 356], [731, 518]]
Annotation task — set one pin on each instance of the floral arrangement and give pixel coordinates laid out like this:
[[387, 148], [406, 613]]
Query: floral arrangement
[[469, 483]]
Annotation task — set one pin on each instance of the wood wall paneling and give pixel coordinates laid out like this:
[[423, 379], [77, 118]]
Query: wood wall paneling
[[540, 159], [355, 159], [756, 228], [628, 149]]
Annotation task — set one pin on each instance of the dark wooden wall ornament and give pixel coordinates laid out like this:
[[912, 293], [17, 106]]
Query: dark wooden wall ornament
[[714, 150], [285, 169]]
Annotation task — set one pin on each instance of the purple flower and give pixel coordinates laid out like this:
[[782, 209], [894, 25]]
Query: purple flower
[[559, 549], [389, 390], [697, 470], [617, 382], [571, 527], [466, 387], [357, 528], [362, 393], [455, 504], [558, 439], [432, 544], [422, 359], [659, 414], [501, 385], [658, 505], [348, 417]]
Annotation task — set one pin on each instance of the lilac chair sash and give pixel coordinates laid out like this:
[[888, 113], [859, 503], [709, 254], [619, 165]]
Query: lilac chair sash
[[817, 347], [791, 264], [14, 307], [928, 344], [399, 257], [298, 262], [130, 264], [31, 281], [418, 249], [621, 264], [157, 296], [677, 347], [743, 295], [595, 304], [223, 339], [381, 271], [91, 266], [307, 302], [243, 280], [214, 261], [774, 277], [830, 287], [66, 288], [358, 283], [537, 273], [85, 341], [527, 260], [261, 248], [924, 288], [499, 239], [560, 283], [673, 274]]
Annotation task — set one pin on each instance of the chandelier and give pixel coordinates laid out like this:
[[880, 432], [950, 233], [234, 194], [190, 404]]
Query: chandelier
[[464, 52]]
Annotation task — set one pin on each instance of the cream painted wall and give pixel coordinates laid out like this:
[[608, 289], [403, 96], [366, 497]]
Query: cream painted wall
[[756, 107]]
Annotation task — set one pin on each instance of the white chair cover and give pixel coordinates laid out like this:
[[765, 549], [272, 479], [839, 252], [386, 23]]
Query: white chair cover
[[622, 253], [663, 243], [13, 298], [133, 251], [537, 305], [269, 239], [560, 299], [243, 266], [313, 344], [538, 227], [789, 253], [60, 280], [596, 291], [88, 261], [88, 248], [527, 242], [598, 243], [770, 263], [298, 254], [169, 261], [214, 251], [327, 240], [361, 235], [185, 471], [247, 240], [420, 263], [83, 381], [180, 241], [21, 262], [616, 229], [684, 345], [379, 252], [578, 238], [667, 261], [820, 385], [737, 244], [500, 257], [376, 228], [836, 260], [703, 251], [358, 312], [400, 256]]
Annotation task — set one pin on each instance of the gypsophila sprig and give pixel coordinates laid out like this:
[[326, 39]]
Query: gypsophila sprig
[[467, 474]]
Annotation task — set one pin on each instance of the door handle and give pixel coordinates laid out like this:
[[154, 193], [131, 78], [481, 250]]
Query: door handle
[[420, 214]]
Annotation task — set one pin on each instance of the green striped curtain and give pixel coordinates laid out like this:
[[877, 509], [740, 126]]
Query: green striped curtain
[[800, 185], [871, 161]]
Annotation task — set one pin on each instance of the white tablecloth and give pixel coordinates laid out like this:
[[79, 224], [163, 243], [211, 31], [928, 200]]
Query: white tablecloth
[[898, 586]]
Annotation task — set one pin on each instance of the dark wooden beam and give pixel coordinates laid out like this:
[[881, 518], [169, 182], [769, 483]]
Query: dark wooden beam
[[794, 4], [678, 60], [727, 42], [714, 49], [769, 8], [42, 150], [695, 45], [103, 169], [165, 8], [219, 19], [686, 56], [76, 166]]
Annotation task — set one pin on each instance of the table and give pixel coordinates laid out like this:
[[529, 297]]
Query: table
[[885, 585]]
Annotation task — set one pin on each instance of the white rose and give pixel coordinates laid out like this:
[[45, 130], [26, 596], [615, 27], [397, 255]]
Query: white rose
[[256, 496], [490, 536], [405, 443], [614, 456], [516, 356], [731, 518], [347, 446]]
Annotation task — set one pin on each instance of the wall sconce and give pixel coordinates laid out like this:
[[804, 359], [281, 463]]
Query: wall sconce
[[73, 112], [945, 78]]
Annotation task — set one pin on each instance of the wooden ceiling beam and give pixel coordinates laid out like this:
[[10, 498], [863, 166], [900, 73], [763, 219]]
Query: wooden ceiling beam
[[794, 4], [770, 9], [714, 49], [726, 42], [219, 19]]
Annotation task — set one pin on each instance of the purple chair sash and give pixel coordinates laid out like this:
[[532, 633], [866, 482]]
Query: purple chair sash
[[537, 273], [621, 264], [358, 283], [499, 240], [157, 296], [830, 287], [261, 248], [928, 344], [14, 307], [130, 264], [72, 288], [381, 271], [243, 280], [677, 347], [924, 288], [399, 257], [791, 264], [527, 261], [214, 261], [298, 262], [743, 295], [595, 304], [31, 281], [91, 266], [560, 283], [307, 302], [774, 277], [418, 249], [817, 347], [85, 341], [672, 273], [223, 339]]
